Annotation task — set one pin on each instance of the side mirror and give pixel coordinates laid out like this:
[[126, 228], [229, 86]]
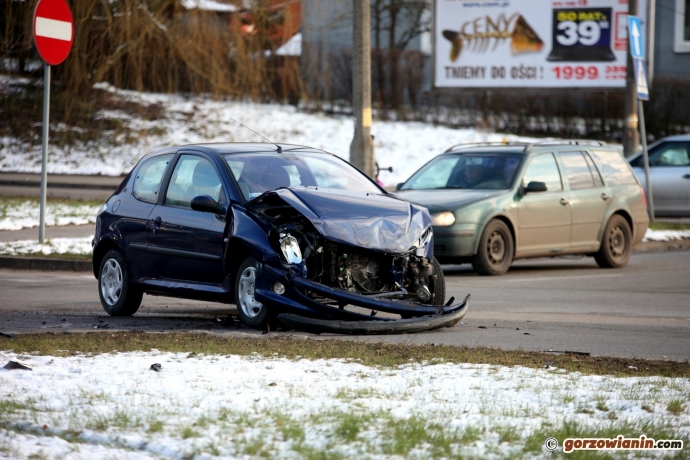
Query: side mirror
[[399, 185], [205, 203], [535, 186]]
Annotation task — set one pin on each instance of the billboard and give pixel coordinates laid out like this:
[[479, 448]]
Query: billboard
[[531, 43]]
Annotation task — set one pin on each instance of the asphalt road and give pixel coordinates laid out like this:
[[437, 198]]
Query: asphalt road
[[557, 305]]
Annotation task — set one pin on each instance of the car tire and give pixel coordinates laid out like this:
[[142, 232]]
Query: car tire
[[252, 312], [616, 244], [438, 289], [118, 296], [495, 253]]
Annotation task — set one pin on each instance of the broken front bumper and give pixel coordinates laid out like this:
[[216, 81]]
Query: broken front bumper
[[308, 313]]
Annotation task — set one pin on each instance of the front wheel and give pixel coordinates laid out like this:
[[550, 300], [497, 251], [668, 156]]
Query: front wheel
[[495, 253], [118, 296], [616, 244], [252, 312], [438, 288]]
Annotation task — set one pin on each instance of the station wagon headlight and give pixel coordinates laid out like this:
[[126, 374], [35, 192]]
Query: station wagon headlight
[[443, 219], [102, 209], [290, 247]]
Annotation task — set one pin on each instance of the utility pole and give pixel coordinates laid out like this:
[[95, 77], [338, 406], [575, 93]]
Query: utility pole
[[361, 148], [631, 135]]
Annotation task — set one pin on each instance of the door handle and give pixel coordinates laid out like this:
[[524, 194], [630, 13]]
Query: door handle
[[687, 176], [604, 196], [564, 201], [157, 221]]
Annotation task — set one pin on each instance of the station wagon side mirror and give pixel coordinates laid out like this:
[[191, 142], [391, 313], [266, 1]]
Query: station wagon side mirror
[[205, 203], [398, 186], [535, 186]]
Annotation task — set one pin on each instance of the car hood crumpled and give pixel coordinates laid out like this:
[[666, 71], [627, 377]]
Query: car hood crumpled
[[371, 221]]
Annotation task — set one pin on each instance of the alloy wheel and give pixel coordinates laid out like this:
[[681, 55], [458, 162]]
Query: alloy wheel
[[111, 281]]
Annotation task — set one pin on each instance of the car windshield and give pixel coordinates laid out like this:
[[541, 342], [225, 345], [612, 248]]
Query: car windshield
[[257, 173], [477, 171]]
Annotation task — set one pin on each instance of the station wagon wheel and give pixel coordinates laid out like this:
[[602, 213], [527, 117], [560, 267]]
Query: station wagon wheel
[[252, 312], [616, 244], [118, 296], [495, 252]]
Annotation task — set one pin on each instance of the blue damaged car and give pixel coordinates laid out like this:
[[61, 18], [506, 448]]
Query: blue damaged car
[[292, 235]]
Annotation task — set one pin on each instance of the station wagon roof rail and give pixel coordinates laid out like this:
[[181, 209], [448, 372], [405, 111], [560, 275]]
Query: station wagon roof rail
[[469, 145], [590, 142]]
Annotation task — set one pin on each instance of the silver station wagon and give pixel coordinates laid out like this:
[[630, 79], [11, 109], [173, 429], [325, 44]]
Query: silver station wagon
[[492, 203]]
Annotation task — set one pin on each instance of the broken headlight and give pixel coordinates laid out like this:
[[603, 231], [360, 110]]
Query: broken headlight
[[290, 248], [421, 244]]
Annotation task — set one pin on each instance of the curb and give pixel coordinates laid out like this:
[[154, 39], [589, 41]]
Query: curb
[[29, 263]]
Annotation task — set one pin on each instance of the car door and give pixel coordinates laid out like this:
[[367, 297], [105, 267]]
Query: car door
[[543, 217], [589, 199], [134, 210], [188, 245], [669, 172]]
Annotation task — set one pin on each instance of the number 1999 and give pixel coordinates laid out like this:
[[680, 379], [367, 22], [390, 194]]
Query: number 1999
[[579, 72]]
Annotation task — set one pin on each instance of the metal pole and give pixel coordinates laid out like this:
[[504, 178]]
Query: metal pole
[[631, 138], [651, 30], [44, 160], [650, 198], [361, 148]]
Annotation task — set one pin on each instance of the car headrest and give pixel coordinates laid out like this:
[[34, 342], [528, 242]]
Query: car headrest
[[274, 176], [204, 175]]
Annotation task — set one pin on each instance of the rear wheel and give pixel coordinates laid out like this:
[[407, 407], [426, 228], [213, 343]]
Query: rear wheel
[[616, 244], [252, 312], [495, 253], [118, 296]]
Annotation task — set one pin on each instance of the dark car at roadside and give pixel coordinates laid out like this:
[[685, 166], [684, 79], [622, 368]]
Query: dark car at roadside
[[287, 233]]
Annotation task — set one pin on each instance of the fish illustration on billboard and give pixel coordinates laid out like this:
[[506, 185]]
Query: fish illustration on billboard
[[479, 33]]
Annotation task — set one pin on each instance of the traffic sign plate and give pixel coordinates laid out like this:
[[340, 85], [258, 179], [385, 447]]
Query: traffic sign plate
[[635, 39], [641, 86], [53, 30]]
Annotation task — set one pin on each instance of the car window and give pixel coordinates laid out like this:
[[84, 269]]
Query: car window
[[671, 154], [193, 176], [543, 168], [257, 173], [147, 182], [577, 170], [478, 171], [433, 175], [616, 170]]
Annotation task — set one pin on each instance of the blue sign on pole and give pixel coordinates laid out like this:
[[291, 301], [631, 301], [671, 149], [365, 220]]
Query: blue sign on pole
[[635, 40], [641, 85]]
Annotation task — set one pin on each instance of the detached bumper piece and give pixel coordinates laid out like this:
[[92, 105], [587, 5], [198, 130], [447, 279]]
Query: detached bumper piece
[[298, 311]]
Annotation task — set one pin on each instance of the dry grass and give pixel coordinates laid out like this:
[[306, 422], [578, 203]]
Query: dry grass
[[371, 354]]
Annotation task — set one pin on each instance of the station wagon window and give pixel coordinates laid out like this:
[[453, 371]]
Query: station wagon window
[[579, 170], [615, 168], [147, 182], [193, 176], [543, 168]]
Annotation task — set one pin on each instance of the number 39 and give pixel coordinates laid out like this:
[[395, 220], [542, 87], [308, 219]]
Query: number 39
[[587, 33]]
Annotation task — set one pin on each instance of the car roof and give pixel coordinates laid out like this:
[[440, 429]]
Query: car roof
[[677, 137], [223, 148]]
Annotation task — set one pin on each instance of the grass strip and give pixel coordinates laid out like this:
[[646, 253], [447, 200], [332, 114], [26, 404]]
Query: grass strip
[[367, 353]]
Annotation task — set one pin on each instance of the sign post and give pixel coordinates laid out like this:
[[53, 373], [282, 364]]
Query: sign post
[[638, 57], [53, 30]]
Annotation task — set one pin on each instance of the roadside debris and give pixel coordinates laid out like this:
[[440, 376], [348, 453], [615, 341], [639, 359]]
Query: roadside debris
[[7, 334], [16, 365], [156, 367]]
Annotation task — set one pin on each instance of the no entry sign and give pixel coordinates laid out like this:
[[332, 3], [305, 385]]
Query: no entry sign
[[53, 30]]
